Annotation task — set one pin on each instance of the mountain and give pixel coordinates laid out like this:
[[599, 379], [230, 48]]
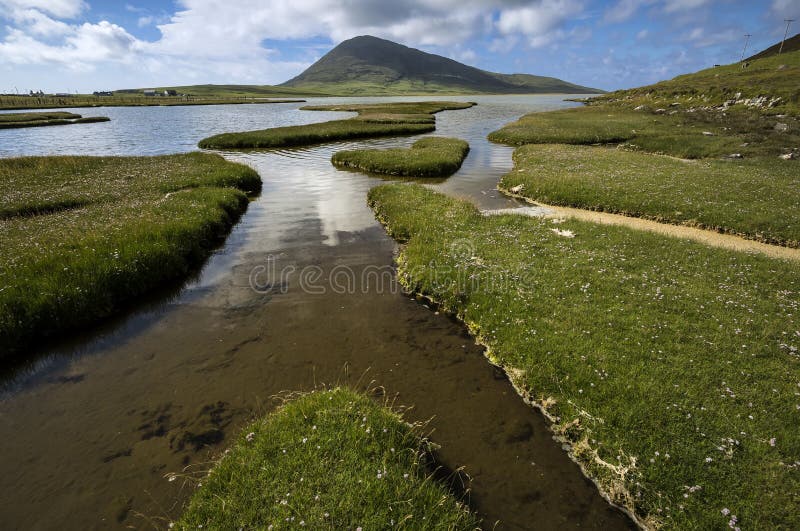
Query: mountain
[[792, 44], [369, 65]]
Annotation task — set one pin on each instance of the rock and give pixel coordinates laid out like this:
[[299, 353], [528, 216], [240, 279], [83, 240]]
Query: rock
[[789, 156], [781, 67], [737, 96], [517, 189], [674, 104], [639, 108], [734, 156], [660, 111], [708, 133], [781, 127]]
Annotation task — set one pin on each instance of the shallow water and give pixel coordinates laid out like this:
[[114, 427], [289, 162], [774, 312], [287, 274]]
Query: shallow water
[[91, 428]]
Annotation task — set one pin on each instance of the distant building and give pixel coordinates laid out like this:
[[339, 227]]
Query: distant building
[[103, 93], [149, 92], [63, 94], [170, 93]]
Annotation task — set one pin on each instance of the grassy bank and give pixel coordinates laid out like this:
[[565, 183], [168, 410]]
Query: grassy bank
[[690, 135], [427, 157], [327, 460], [754, 198], [84, 235], [126, 100], [373, 120], [671, 367], [38, 119]]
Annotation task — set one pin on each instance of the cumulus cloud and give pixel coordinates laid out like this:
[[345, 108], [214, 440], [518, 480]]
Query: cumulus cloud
[[541, 23]]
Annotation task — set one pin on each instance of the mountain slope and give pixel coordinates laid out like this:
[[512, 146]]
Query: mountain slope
[[369, 65], [792, 44]]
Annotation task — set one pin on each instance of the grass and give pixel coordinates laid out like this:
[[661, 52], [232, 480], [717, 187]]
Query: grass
[[327, 460], [82, 236], [774, 77], [37, 119], [390, 119], [671, 367], [682, 134], [754, 198], [427, 157]]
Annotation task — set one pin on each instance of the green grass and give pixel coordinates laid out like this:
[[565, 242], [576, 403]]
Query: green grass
[[390, 119], [427, 157], [82, 236], [583, 125], [754, 198], [672, 367], [38, 119], [748, 133], [775, 77], [327, 460]]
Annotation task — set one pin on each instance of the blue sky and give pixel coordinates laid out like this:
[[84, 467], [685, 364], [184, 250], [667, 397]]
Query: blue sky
[[85, 45]]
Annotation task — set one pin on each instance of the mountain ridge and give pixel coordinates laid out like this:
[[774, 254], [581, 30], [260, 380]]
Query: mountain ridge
[[367, 64]]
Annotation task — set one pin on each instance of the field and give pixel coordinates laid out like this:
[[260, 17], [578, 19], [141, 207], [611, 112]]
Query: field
[[373, 120], [326, 460], [754, 198], [671, 368], [427, 157], [82, 236], [39, 119]]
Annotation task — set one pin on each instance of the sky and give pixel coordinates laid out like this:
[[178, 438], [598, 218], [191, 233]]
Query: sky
[[86, 45]]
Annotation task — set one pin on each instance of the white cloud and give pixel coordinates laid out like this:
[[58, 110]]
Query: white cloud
[[785, 8], [541, 23], [624, 9], [672, 6], [642, 34], [56, 8]]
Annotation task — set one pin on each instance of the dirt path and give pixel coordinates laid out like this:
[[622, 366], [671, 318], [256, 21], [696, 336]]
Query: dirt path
[[707, 237]]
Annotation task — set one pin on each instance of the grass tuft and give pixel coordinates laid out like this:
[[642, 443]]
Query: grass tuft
[[427, 157], [327, 460], [39, 119], [374, 120], [82, 236], [672, 368]]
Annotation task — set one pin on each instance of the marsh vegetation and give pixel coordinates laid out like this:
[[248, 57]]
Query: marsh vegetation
[[84, 235], [327, 460], [39, 119], [427, 157], [373, 120], [669, 366]]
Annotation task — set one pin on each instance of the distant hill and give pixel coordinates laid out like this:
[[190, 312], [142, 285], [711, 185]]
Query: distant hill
[[227, 91], [791, 45], [369, 65]]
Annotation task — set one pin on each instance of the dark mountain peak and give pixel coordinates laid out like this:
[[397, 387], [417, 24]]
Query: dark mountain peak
[[367, 64]]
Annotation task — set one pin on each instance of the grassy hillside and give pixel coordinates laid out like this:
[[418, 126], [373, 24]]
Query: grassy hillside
[[792, 44], [368, 65], [771, 83]]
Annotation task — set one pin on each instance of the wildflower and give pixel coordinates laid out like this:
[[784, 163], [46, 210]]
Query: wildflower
[[772, 442], [708, 459], [250, 436], [725, 511]]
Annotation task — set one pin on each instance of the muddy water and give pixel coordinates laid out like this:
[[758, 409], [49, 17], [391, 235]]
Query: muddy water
[[91, 429]]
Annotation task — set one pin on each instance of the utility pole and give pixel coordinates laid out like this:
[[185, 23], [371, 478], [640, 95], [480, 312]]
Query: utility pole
[[788, 21], [746, 40]]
